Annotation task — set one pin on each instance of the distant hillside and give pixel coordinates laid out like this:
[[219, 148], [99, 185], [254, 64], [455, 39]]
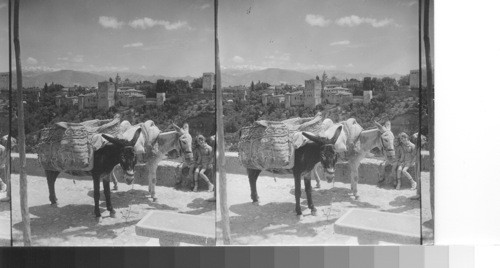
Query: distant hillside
[[63, 77], [135, 77], [276, 76]]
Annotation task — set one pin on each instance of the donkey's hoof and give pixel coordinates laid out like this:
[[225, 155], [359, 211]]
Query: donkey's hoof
[[356, 197], [313, 212], [55, 204], [155, 199], [318, 185], [112, 214], [115, 188], [98, 220], [255, 203], [299, 216]]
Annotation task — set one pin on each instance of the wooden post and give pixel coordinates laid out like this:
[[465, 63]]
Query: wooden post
[[221, 160], [430, 98], [23, 184]]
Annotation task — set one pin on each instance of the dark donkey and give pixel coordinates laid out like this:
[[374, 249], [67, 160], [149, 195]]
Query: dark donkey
[[306, 157], [117, 151]]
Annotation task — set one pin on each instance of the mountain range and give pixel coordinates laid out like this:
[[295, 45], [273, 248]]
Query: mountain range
[[69, 78], [275, 76], [230, 77]]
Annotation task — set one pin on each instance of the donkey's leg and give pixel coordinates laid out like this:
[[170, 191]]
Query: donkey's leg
[[316, 176], [107, 194], [354, 178], [51, 180], [307, 184], [97, 196], [151, 167], [253, 174], [113, 178], [298, 192]]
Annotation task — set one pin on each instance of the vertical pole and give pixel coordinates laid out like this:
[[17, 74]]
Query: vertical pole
[[23, 184], [221, 160], [430, 97]]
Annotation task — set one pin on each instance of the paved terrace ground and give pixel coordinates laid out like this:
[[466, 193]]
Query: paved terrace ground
[[274, 221], [73, 222]]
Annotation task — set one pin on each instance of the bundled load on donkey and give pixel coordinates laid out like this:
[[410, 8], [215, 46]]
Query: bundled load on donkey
[[71, 146], [269, 145]]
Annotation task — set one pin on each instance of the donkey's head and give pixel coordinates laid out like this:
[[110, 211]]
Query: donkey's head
[[185, 141], [327, 154], [386, 139], [127, 155]]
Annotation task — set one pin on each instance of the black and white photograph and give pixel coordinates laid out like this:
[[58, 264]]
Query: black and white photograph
[[324, 129], [115, 128]]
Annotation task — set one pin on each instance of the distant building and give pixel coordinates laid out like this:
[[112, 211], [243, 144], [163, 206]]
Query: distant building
[[312, 93], [87, 101], [294, 99], [106, 95], [414, 79], [208, 81]]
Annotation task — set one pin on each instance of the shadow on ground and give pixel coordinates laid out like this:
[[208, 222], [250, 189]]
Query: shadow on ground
[[54, 222], [123, 199], [281, 215]]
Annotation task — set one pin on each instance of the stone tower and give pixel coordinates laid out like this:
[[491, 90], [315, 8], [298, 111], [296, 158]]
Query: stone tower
[[312, 93], [105, 95], [118, 80], [208, 81]]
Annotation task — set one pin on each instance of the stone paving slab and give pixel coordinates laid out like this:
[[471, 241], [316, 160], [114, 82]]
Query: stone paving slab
[[4, 232], [174, 228], [379, 226]]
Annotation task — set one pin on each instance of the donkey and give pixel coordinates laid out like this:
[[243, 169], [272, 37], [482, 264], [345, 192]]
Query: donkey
[[380, 137], [156, 146], [306, 157], [117, 151]]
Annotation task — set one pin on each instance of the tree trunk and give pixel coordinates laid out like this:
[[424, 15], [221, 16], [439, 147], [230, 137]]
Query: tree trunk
[[221, 160], [430, 98], [23, 184]]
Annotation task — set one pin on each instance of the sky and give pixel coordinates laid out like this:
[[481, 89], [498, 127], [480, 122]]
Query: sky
[[374, 36], [151, 37]]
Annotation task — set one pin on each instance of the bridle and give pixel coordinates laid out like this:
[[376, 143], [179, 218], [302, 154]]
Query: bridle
[[384, 147]]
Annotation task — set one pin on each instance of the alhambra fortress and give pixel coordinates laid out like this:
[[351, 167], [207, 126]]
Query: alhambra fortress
[[124, 93]]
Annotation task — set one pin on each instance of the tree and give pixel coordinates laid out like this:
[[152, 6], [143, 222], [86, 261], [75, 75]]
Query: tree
[[389, 84], [367, 83], [181, 85], [111, 80], [23, 183], [252, 86], [197, 83], [404, 80]]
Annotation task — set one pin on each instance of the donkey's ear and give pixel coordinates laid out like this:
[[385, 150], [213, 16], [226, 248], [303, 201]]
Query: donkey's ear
[[314, 138], [387, 125], [379, 126], [336, 135], [111, 139], [177, 128], [136, 136]]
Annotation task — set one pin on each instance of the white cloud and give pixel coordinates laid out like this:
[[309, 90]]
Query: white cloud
[[143, 67], [408, 3], [340, 43], [317, 20], [2, 5], [63, 58], [40, 68], [77, 58], [138, 44], [94, 68], [110, 22], [350, 65], [205, 6], [31, 61], [278, 56], [238, 59], [145, 23], [354, 20]]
